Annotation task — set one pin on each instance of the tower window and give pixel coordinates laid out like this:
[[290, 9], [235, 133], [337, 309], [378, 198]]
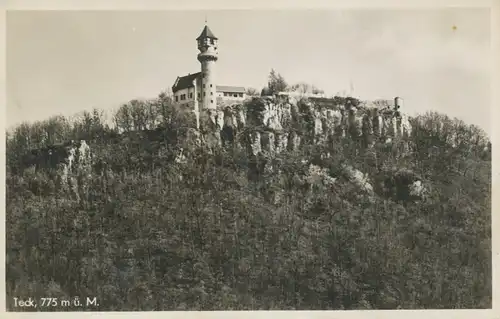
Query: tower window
[[190, 95], [204, 93], [203, 85], [211, 93], [183, 97], [199, 95], [176, 98], [210, 85], [211, 101]]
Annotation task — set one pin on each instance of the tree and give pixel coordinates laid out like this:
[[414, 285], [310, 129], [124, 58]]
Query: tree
[[227, 230], [276, 82], [89, 125], [139, 114], [252, 92], [305, 88], [58, 129], [123, 119]]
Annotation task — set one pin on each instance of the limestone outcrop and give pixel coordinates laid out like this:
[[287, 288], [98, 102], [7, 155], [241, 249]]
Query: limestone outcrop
[[264, 126], [72, 161], [272, 124]]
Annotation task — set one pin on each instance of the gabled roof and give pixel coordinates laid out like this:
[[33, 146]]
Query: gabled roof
[[184, 82], [231, 89], [206, 33]]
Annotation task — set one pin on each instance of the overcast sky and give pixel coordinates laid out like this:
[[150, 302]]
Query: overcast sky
[[68, 61]]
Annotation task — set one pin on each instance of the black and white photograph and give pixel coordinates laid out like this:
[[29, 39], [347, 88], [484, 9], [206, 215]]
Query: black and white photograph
[[248, 159]]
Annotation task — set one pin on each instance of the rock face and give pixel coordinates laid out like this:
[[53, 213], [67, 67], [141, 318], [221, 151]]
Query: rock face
[[402, 184], [360, 179], [319, 174], [269, 125], [264, 126], [72, 161], [76, 169], [273, 124], [417, 189]]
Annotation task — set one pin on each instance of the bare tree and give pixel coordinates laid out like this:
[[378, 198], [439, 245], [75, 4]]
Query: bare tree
[[252, 92], [305, 88], [123, 119]]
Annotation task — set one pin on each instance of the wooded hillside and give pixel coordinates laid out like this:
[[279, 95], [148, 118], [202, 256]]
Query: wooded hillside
[[226, 230]]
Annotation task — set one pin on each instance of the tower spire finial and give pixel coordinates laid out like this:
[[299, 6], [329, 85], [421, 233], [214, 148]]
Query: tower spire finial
[[205, 19]]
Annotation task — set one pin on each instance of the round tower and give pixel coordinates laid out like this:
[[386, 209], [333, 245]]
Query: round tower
[[398, 102], [207, 44]]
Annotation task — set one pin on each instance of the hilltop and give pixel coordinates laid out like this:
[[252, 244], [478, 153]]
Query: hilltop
[[275, 203]]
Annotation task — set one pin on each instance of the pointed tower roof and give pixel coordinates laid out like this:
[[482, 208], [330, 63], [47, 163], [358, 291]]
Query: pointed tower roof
[[206, 33]]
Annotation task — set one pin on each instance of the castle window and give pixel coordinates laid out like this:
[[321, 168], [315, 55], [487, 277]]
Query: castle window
[[210, 85], [203, 85], [240, 95], [190, 95], [183, 97], [204, 94], [211, 101], [235, 95], [176, 98], [199, 95], [211, 93]]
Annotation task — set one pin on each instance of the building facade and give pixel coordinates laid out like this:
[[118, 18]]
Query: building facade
[[199, 91]]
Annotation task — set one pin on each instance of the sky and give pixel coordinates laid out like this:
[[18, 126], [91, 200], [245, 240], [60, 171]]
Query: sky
[[64, 62]]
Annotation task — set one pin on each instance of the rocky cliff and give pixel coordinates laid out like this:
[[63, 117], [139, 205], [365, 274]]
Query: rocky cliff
[[267, 126], [272, 124], [263, 126]]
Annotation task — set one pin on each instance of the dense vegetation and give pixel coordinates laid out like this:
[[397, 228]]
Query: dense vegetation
[[222, 232]]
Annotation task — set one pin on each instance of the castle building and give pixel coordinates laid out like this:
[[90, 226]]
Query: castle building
[[200, 91]]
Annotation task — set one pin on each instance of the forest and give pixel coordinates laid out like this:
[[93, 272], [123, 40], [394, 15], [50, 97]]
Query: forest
[[219, 231]]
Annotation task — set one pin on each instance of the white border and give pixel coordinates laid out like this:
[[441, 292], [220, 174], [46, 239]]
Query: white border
[[276, 5]]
